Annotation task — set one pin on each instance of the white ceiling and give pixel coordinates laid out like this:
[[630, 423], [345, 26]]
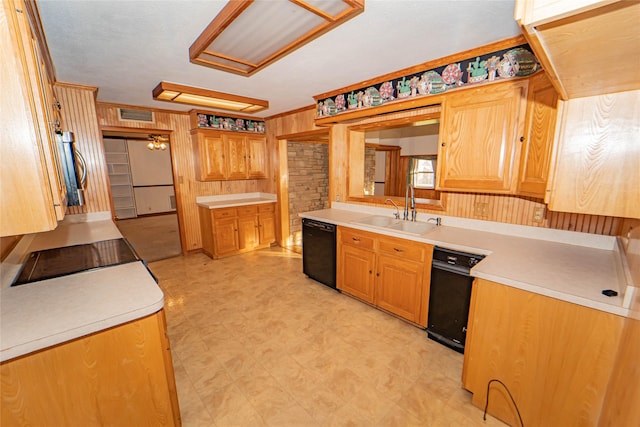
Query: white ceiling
[[126, 47]]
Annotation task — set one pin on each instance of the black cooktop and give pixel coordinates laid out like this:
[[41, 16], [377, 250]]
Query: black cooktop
[[50, 263]]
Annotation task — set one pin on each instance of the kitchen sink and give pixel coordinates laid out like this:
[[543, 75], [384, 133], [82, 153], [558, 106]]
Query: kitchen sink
[[378, 221], [396, 224], [412, 227]]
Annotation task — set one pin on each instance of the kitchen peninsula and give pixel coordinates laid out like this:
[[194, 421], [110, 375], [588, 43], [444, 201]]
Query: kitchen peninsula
[[531, 281], [97, 339]]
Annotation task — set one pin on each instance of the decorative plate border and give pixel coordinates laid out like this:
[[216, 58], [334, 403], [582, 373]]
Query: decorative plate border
[[499, 65], [233, 124]]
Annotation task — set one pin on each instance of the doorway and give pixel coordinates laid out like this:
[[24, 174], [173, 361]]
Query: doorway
[[304, 168], [142, 192]]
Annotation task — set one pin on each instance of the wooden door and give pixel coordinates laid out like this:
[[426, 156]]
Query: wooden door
[[399, 286], [356, 272], [256, 157], [539, 134], [226, 236], [479, 135], [210, 160], [237, 156]]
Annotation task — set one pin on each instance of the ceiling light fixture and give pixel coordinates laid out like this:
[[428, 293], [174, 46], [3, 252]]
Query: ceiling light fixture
[[156, 144], [172, 92], [248, 35]]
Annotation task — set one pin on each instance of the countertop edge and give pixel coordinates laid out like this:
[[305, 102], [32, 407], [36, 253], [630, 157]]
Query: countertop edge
[[24, 349]]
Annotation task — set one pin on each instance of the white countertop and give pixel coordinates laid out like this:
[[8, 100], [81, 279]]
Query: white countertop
[[569, 266], [49, 312], [231, 200]]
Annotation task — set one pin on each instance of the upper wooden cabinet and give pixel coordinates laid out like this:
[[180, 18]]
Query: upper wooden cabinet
[[480, 132], [588, 47], [222, 155], [540, 125], [597, 156], [33, 195]]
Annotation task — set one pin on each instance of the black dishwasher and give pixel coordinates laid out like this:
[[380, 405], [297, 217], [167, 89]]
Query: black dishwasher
[[319, 251], [450, 296]]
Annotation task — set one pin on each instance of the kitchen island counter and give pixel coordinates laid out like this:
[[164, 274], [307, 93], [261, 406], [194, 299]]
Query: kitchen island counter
[[42, 314]]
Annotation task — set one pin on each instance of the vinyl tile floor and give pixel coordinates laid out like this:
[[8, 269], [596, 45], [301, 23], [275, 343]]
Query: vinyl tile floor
[[257, 343]]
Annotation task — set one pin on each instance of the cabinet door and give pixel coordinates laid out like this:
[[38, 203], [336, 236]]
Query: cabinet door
[[256, 157], [539, 134], [226, 236], [248, 232], [237, 156], [598, 156], [479, 136], [31, 194], [399, 286], [356, 272], [267, 228], [210, 158]]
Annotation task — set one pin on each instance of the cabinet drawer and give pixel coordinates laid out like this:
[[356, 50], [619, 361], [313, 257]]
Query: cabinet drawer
[[403, 248], [356, 238], [268, 207], [224, 213], [247, 210]]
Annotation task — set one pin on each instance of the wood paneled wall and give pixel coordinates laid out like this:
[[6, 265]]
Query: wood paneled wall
[[501, 208], [79, 116], [187, 188]]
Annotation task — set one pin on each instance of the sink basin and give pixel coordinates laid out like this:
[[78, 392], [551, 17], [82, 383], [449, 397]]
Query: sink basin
[[378, 221], [412, 227], [396, 224]]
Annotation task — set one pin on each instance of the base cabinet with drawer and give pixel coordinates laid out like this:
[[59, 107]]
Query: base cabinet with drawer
[[233, 230], [390, 273]]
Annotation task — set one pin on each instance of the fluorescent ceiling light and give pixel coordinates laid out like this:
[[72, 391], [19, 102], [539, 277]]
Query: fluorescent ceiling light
[[248, 35], [172, 92]]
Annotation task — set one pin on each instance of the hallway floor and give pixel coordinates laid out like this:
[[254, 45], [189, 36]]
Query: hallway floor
[[153, 237], [257, 343]]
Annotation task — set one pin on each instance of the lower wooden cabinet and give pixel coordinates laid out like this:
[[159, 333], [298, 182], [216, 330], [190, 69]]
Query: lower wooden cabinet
[[229, 231], [122, 376], [391, 273], [554, 357]]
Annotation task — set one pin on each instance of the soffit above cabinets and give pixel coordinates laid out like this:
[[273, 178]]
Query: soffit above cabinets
[[248, 35], [587, 48]]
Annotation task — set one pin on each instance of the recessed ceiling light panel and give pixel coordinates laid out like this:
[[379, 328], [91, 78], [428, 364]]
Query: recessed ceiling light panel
[[182, 94], [248, 35]]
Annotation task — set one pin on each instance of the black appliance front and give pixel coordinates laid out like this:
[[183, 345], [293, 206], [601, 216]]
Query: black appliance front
[[73, 167], [450, 297], [56, 262], [319, 251]]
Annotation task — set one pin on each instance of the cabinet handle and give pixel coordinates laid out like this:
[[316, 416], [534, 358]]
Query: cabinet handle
[[398, 250], [522, 139], [377, 274], [370, 271], [355, 239], [443, 144]]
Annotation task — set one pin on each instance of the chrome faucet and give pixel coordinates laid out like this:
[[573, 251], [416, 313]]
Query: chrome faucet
[[437, 219], [408, 202], [397, 212]]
